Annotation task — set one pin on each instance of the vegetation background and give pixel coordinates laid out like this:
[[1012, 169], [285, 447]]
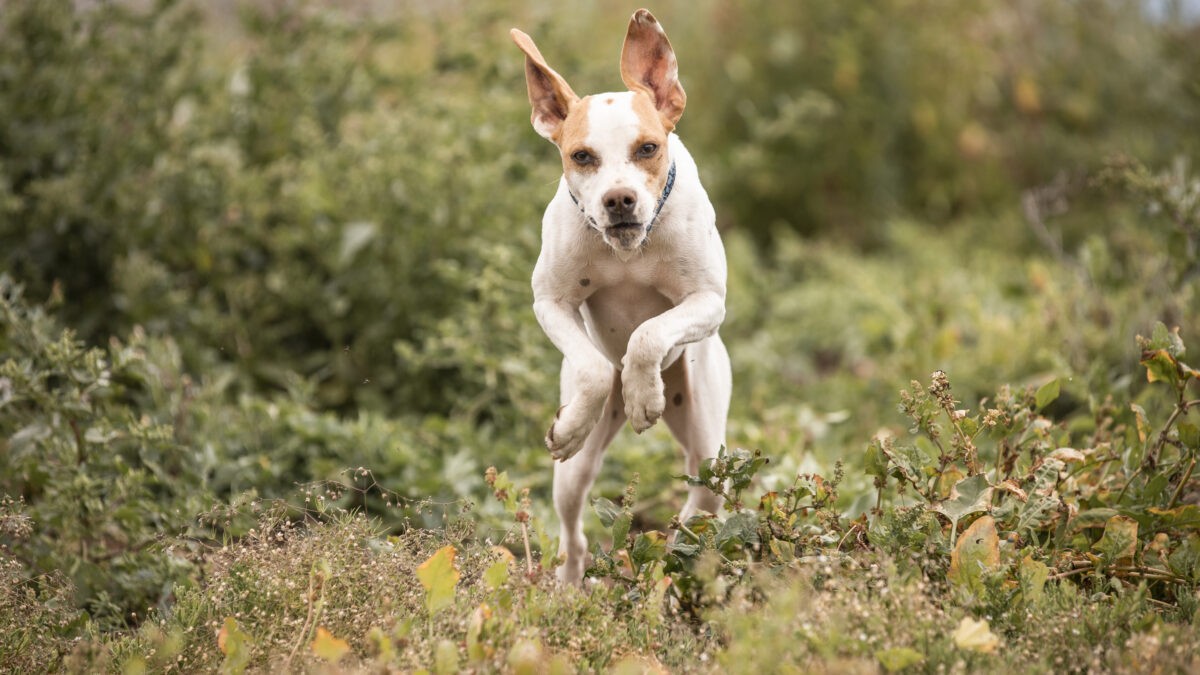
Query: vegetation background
[[263, 266]]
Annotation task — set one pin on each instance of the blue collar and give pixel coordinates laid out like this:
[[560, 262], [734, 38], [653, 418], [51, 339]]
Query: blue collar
[[657, 208]]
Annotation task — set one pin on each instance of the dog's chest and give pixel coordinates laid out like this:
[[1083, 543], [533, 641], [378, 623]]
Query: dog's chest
[[623, 298]]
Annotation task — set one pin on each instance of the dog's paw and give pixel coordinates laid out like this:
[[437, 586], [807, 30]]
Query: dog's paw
[[572, 424], [643, 392]]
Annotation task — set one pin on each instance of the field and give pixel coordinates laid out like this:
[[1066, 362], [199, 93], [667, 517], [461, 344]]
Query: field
[[272, 396]]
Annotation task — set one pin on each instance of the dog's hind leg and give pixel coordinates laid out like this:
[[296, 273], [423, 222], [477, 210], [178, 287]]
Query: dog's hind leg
[[573, 479], [697, 388]]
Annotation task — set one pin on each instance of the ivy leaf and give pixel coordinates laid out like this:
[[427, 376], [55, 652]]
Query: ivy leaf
[[1047, 393], [977, 551], [439, 577], [328, 647]]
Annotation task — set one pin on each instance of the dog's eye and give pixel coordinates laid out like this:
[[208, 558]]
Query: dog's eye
[[582, 157], [647, 150]]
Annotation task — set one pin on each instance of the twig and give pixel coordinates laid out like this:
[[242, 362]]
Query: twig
[[528, 552]]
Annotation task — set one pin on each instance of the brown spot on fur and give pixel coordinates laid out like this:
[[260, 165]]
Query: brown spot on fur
[[678, 399], [614, 413], [653, 131], [585, 281], [572, 134], [609, 100]]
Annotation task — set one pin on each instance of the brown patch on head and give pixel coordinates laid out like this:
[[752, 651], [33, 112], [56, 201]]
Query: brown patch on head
[[652, 131], [678, 399], [609, 100], [572, 137], [584, 281]]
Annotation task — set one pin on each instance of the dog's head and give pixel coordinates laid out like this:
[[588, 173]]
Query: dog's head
[[613, 146]]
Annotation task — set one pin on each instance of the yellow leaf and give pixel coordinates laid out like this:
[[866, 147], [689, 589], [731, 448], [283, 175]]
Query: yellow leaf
[[975, 636], [439, 577], [235, 644], [977, 550], [328, 647], [1026, 96]]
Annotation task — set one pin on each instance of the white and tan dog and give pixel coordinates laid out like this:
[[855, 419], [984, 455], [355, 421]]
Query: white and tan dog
[[630, 283]]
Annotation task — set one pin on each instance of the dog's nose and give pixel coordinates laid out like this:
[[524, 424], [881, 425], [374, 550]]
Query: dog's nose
[[620, 203]]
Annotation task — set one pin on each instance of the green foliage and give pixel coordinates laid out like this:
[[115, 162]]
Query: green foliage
[[91, 443], [276, 209], [295, 251]]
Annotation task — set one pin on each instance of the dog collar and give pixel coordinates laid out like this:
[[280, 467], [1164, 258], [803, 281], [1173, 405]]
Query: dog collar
[[657, 208]]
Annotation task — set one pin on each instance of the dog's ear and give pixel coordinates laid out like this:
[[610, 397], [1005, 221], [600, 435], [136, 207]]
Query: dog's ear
[[549, 94], [648, 64]]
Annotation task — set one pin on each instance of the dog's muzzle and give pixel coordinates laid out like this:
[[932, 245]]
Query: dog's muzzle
[[627, 236]]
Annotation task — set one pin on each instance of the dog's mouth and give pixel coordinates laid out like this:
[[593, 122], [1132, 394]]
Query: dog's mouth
[[626, 236], [619, 227]]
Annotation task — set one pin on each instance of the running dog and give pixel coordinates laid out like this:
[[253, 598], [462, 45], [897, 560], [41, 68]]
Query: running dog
[[630, 282]]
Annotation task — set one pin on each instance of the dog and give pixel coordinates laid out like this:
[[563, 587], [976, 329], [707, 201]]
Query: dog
[[630, 281]]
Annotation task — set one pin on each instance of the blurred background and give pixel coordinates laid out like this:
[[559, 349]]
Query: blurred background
[[293, 238]]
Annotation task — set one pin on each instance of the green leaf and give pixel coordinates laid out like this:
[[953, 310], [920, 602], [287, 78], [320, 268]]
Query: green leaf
[[620, 530], [1185, 561], [1032, 576], [648, 547], [740, 529], [969, 495], [439, 577], [1120, 539], [898, 658], [876, 461], [607, 510], [1189, 435], [445, 658], [1047, 393], [1180, 518], [1167, 340], [496, 575], [1092, 518]]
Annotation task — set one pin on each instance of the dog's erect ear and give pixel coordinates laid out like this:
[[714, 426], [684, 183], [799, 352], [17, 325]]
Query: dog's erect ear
[[648, 63], [549, 94]]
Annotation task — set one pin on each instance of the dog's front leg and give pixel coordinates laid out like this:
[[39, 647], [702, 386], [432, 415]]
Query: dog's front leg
[[696, 317], [590, 377]]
